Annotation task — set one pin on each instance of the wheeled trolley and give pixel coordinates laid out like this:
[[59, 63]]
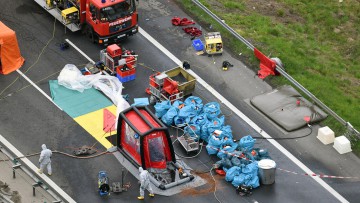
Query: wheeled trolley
[[171, 85], [189, 143]]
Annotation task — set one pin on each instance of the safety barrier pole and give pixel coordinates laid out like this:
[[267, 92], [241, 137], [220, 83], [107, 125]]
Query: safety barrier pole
[[281, 71]]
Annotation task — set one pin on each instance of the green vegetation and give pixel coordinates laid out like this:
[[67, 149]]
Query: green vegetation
[[319, 44]]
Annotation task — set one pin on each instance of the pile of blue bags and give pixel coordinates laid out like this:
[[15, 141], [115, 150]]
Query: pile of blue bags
[[237, 159]]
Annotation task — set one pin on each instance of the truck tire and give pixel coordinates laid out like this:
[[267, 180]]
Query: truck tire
[[89, 32]]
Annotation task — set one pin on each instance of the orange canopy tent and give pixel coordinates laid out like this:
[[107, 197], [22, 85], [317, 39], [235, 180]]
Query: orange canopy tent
[[10, 57]]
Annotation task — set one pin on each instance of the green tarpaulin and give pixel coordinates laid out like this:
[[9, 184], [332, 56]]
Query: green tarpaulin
[[76, 103]]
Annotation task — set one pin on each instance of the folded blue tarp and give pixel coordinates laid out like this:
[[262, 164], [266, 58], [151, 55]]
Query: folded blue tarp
[[140, 102]]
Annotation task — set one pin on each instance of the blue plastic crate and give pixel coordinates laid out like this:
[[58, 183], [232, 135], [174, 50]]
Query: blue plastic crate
[[126, 78], [198, 45], [132, 77]]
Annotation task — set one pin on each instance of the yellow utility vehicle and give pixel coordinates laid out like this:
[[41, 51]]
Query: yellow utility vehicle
[[213, 43]]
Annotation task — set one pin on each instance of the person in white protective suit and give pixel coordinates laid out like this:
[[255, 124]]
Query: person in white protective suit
[[45, 160], [145, 183]]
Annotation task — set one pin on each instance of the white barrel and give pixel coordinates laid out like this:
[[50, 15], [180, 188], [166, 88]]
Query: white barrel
[[267, 169]]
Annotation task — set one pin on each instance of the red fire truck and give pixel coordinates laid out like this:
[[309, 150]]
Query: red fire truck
[[103, 21]]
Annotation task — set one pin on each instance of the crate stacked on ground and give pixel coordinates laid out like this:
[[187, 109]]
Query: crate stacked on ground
[[120, 61], [126, 73]]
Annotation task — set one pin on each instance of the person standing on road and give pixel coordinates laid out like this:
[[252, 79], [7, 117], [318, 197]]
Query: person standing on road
[[145, 183], [45, 160]]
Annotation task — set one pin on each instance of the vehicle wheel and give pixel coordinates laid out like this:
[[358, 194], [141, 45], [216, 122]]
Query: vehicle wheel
[[89, 33]]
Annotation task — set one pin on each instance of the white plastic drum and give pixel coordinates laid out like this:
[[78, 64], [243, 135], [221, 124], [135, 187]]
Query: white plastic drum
[[267, 171]]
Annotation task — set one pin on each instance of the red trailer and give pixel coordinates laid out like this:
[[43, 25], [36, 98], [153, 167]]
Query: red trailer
[[145, 141]]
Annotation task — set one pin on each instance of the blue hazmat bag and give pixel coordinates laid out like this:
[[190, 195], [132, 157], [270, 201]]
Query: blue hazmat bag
[[246, 143], [213, 144], [236, 160], [196, 102], [225, 164], [226, 131], [161, 108], [248, 176], [215, 124], [199, 120], [187, 111], [181, 121], [212, 110], [177, 103], [228, 146], [240, 179], [232, 172], [204, 135], [168, 117]]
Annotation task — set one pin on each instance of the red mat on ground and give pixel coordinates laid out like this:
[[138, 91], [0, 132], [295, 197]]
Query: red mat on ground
[[193, 31], [181, 22]]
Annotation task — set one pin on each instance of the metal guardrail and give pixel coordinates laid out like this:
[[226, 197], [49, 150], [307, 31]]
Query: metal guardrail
[[31, 170], [350, 128]]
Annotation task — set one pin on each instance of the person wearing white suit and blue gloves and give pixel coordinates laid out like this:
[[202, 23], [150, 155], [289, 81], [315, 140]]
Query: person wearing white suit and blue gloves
[[145, 183], [45, 160]]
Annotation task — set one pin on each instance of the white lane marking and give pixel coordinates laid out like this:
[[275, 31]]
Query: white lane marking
[[79, 50], [245, 118], [37, 87], [34, 169]]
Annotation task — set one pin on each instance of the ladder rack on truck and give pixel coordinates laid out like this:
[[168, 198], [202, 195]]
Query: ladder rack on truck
[[57, 14]]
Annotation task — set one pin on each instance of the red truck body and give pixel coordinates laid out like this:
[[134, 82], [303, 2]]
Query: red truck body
[[103, 21]]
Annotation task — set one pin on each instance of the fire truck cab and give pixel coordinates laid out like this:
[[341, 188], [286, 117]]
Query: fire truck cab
[[102, 21]]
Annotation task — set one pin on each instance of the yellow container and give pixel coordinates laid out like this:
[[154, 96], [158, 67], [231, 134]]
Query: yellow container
[[186, 81], [213, 43], [69, 12]]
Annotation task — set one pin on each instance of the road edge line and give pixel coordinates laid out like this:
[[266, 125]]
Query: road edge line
[[38, 88]]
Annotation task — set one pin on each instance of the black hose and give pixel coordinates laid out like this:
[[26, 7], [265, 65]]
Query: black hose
[[287, 138]]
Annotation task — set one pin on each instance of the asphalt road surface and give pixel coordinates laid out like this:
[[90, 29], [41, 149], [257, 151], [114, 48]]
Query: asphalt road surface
[[28, 119]]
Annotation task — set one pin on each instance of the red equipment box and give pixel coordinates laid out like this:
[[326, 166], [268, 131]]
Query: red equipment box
[[114, 50]]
